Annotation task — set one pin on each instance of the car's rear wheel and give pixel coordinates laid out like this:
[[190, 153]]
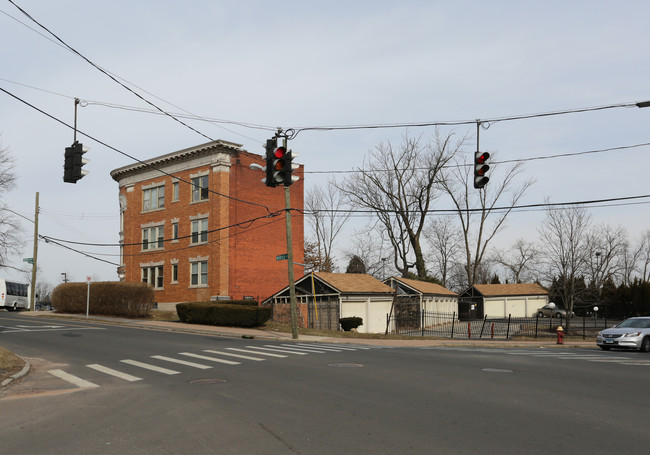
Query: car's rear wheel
[[605, 348], [645, 345], [558, 315], [540, 315]]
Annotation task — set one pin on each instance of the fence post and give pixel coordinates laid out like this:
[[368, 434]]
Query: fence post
[[453, 322], [469, 329], [422, 323], [536, 324], [483, 326], [584, 328], [508, 329]]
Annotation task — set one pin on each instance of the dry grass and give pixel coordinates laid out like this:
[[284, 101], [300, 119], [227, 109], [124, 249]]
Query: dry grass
[[9, 363]]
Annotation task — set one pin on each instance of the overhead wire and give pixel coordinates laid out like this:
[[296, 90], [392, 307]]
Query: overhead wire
[[124, 153]]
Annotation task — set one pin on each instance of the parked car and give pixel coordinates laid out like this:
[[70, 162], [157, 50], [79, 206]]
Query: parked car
[[633, 333], [557, 312]]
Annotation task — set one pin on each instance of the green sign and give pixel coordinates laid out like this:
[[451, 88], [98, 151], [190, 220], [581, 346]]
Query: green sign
[[282, 257], [28, 260]]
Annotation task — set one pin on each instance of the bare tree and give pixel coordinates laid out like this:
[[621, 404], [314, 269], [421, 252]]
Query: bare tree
[[643, 255], [9, 227], [326, 219], [606, 249], [518, 260], [447, 243], [373, 251], [563, 235], [480, 217], [400, 185]]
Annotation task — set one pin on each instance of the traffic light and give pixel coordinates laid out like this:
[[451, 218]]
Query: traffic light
[[74, 162], [480, 169], [279, 165]]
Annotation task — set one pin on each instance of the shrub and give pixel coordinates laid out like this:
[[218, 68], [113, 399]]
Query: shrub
[[224, 314], [350, 323], [106, 298]]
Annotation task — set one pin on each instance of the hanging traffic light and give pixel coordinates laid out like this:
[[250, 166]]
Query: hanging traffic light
[[279, 165], [74, 162], [480, 169], [271, 145]]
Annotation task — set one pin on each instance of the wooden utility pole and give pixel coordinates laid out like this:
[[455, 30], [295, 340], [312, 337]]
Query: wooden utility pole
[[32, 302]]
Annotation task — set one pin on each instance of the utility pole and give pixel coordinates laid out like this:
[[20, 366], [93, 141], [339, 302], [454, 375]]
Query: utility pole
[[32, 303], [292, 284]]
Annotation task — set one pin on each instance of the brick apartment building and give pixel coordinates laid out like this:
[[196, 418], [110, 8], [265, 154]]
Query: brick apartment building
[[186, 225]]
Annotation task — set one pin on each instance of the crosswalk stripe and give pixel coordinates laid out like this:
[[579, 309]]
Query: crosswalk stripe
[[148, 366], [257, 352], [74, 380], [299, 348], [112, 372], [323, 348], [211, 359], [230, 354], [286, 351], [182, 362]]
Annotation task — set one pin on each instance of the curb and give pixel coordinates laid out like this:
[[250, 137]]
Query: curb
[[22, 373]]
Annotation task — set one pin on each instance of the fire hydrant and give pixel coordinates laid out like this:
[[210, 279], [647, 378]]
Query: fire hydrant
[[560, 335]]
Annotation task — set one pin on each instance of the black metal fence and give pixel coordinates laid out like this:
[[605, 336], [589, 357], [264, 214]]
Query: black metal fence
[[449, 325]]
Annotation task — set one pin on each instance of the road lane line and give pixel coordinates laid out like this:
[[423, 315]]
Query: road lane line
[[239, 356], [268, 354], [112, 372], [74, 380], [211, 359], [148, 366]]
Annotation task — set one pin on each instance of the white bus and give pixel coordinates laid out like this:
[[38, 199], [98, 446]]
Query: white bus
[[14, 296]]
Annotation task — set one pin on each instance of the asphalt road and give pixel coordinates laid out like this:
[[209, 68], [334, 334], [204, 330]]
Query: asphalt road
[[290, 398]]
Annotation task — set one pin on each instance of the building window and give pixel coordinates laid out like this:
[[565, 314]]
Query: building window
[[174, 231], [153, 238], [153, 198], [174, 273], [200, 231], [174, 191], [199, 275], [200, 188], [153, 275]]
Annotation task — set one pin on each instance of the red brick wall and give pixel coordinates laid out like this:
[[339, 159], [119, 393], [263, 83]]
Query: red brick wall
[[241, 259]]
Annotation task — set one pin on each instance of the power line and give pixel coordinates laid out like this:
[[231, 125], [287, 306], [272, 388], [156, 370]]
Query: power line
[[106, 73], [126, 154]]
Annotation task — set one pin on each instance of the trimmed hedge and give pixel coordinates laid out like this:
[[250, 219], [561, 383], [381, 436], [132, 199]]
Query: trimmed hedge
[[111, 298], [225, 314], [350, 323]]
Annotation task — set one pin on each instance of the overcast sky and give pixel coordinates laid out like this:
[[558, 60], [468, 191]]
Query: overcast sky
[[296, 63]]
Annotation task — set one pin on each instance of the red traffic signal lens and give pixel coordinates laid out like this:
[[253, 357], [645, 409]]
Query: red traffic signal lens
[[280, 152], [482, 158]]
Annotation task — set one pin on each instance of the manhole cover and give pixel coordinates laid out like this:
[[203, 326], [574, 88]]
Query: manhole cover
[[496, 370], [345, 365], [208, 381]]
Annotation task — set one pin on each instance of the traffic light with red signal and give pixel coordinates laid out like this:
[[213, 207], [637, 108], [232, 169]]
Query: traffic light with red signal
[[279, 165], [480, 169]]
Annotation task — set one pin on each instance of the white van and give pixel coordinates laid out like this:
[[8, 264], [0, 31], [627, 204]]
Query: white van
[[14, 296]]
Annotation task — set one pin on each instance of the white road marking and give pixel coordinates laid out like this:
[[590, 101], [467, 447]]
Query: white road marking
[[286, 351], [74, 380], [240, 356], [211, 359], [268, 354], [148, 366], [182, 362], [299, 348], [112, 372]]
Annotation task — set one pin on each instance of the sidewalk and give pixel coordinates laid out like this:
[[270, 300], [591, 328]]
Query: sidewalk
[[261, 333]]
